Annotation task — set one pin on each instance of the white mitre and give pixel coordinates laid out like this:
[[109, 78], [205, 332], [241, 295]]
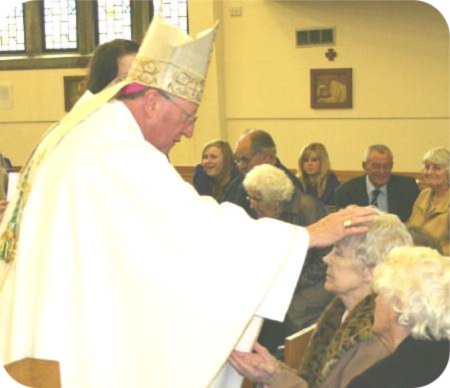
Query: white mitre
[[171, 60]]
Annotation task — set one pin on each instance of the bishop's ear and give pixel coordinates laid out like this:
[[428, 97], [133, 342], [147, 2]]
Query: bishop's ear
[[151, 101]]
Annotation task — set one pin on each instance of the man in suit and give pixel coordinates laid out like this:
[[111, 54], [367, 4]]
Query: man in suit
[[392, 193], [253, 148]]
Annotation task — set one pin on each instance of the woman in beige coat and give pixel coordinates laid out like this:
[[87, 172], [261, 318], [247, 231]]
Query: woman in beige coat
[[431, 209]]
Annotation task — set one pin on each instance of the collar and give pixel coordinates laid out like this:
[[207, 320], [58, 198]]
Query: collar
[[370, 187]]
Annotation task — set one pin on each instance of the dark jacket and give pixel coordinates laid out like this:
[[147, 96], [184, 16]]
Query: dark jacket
[[414, 363], [304, 210], [327, 197], [235, 192], [204, 184], [402, 192]]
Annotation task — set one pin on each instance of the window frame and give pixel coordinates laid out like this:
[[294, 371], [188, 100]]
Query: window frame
[[37, 57]]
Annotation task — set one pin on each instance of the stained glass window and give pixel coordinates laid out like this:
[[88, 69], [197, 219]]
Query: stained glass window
[[174, 11], [114, 20], [60, 25], [12, 35]]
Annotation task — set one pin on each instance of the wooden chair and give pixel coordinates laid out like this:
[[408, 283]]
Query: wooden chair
[[35, 373], [295, 346]]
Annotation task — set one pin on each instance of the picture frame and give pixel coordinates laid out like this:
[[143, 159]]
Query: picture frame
[[74, 87], [331, 88]]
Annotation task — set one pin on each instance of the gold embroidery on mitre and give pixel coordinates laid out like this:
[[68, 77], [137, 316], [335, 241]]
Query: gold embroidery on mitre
[[144, 71], [185, 84], [180, 83]]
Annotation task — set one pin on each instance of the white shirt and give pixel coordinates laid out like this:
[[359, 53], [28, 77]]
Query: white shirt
[[382, 199]]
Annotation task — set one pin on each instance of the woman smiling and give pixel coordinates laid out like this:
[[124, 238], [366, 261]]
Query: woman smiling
[[431, 209]]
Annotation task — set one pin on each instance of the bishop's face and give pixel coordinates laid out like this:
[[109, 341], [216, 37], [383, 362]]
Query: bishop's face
[[169, 120]]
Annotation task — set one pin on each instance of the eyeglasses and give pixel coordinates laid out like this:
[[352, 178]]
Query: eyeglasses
[[380, 166], [244, 159], [188, 118]]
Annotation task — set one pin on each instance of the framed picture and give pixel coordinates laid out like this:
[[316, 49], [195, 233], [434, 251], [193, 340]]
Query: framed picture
[[74, 87], [331, 88]]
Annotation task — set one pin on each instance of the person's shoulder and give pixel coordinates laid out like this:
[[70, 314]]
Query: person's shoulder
[[308, 201], [332, 178], [402, 179], [234, 190], [350, 184]]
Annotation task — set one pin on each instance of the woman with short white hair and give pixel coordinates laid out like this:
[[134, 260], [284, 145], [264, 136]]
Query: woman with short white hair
[[412, 317], [431, 209], [268, 189]]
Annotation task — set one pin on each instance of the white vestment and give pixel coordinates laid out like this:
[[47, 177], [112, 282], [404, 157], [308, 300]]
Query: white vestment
[[126, 276]]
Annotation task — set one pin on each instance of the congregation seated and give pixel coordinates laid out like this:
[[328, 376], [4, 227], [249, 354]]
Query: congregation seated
[[217, 169], [272, 194], [431, 209], [314, 172], [253, 148], [343, 344], [392, 193], [412, 316]]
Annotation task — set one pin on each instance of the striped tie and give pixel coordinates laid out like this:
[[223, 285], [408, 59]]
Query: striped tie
[[375, 195]]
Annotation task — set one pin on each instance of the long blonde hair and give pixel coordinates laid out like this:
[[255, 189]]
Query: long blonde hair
[[325, 168]]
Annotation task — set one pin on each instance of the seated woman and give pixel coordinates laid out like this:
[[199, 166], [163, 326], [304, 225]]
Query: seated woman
[[314, 172], [343, 344], [217, 169], [412, 316], [272, 194], [431, 209]]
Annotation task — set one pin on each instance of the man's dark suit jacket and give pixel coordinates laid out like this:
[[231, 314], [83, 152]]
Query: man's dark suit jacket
[[402, 192]]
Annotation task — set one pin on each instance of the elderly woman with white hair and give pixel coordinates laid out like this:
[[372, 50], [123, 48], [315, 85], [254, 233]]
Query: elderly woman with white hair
[[412, 316], [272, 194], [431, 209], [343, 344]]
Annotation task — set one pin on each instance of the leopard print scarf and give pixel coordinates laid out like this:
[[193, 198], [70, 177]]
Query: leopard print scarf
[[331, 339]]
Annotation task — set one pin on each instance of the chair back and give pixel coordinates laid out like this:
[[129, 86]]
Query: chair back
[[295, 346]]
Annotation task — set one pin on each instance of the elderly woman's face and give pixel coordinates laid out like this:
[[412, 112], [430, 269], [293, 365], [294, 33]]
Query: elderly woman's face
[[270, 209], [435, 176], [345, 275]]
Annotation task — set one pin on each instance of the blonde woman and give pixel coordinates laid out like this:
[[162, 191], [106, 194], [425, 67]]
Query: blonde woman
[[431, 209], [314, 172]]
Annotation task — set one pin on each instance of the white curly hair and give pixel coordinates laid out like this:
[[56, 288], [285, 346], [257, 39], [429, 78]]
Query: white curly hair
[[415, 281], [270, 182]]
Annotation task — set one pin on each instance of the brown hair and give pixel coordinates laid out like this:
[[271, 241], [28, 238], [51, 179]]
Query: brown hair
[[104, 63], [228, 165]]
